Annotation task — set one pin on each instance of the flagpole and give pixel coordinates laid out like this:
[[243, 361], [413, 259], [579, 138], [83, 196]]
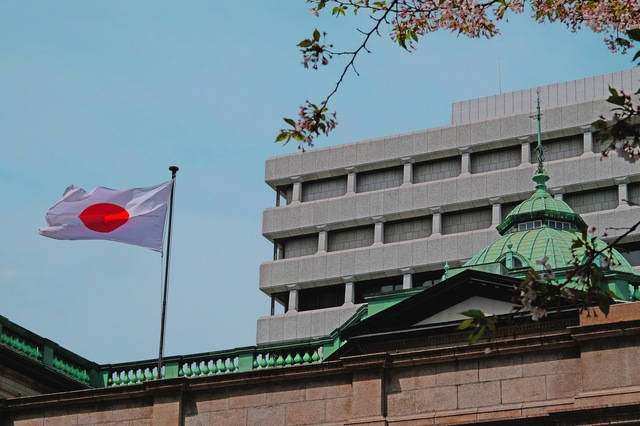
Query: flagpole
[[174, 170]]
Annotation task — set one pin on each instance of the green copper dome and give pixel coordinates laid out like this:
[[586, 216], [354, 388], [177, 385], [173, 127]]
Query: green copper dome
[[541, 205], [530, 246], [537, 228]]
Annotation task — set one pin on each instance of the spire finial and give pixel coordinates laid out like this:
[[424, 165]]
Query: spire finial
[[538, 115], [540, 178]]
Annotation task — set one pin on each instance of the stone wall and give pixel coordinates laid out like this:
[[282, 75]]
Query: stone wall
[[552, 373], [13, 383]]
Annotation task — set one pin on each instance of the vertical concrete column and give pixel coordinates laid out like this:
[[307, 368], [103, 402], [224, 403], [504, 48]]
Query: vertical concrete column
[[587, 141], [496, 211], [407, 172], [525, 150], [293, 298], [323, 238], [296, 196], [349, 290], [407, 278], [351, 179], [623, 192], [557, 193], [436, 221], [466, 161], [378, 231]]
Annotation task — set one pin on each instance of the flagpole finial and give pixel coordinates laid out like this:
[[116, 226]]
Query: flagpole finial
[[173, 170]]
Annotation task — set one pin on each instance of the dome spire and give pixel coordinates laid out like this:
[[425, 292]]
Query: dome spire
[[539, 148], [540, 178]]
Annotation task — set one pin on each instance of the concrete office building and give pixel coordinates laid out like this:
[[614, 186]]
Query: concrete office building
[[388, 214]]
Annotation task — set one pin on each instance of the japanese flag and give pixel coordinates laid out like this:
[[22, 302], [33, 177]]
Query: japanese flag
[[133, 216]]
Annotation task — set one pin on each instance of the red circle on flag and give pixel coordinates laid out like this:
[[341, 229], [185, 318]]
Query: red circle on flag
[[104, 217]]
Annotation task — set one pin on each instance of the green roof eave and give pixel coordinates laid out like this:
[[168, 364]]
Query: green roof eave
[[572, 218]]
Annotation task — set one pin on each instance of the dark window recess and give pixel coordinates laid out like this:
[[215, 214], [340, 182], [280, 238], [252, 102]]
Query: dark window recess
[[382, 285], [321, 297], [379, 179], [436, 170], [324, 188], [593, 201], [557, 149], [351, 238], [631, 252], [499, 159], [508, 208], [427, 279], [599, 145], [305, 245], [633, 196]]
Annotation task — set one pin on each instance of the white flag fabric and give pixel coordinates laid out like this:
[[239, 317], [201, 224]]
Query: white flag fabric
[[133, 216]]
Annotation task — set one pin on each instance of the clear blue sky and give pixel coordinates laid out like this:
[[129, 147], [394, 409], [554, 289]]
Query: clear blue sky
[[111, 93]]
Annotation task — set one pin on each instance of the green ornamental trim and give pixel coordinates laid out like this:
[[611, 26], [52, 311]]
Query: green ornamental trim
[[20, 346]]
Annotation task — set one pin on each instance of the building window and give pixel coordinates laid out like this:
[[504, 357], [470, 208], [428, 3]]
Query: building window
[[631, 252], [350, 238], [379, 179], [496, 160], [557, 149], [427, 279], [532, 224], [593, 201], [320, 297], [436, 170], [565, 226], [300, 246], [325, 188], [467, 220], [381, 285], [405, 230]]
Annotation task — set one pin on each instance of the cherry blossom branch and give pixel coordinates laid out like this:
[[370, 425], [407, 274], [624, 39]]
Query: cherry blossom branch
[[408, 20]]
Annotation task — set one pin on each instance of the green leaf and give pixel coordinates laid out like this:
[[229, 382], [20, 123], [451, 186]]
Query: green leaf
[[290, 122], [316, 35], [473, 313], [604, 304], [465, 324], [634, 34], [636, 56], [282, 136], [615, 98], [305, 43]]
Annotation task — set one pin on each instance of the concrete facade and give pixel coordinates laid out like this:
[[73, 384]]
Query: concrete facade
[[418, 201]]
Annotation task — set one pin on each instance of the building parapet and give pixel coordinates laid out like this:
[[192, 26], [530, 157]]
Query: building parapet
[[553, 95], [431, 144], [79, 373]]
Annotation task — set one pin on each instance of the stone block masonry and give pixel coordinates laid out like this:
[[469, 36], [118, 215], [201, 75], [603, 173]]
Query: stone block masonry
[[535, 376]]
